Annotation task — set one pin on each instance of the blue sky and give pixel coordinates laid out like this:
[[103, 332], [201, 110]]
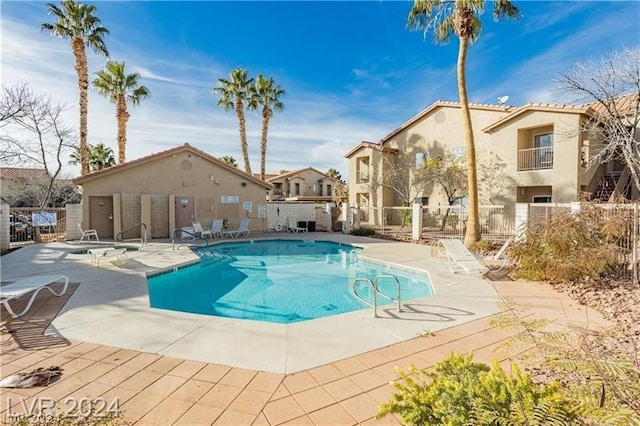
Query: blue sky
[[351, 70]]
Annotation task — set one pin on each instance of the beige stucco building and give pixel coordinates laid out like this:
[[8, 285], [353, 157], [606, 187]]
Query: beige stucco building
[[545, 156], [168, 190], [306, 184]]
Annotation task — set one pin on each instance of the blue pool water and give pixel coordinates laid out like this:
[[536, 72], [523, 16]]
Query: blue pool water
[[281, 281]]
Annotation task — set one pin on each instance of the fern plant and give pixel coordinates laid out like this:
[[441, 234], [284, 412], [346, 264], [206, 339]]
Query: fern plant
[[461, 392], [605, 384]]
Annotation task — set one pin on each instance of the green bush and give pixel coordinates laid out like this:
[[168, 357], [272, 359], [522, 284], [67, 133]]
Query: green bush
[[363, 231], [462, 392]]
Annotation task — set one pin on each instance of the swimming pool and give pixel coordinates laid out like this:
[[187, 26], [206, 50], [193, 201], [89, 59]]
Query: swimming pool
[[280, 281]]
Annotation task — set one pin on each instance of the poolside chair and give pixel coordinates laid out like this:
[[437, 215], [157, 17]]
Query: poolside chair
[[291, 226], [459, 258], [198, 229], [243, 229], [87, 233], [25, 286], [107, 253], [216, 228]]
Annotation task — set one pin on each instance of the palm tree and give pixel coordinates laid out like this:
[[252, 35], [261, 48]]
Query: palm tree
[[266, 95], [460, 17], [230, 160], [334, 174], [120, 88], [233, 93], [77, 22], [100, 157]]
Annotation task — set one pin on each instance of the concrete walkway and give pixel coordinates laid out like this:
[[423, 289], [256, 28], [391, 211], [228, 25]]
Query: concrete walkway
[[169, 368]]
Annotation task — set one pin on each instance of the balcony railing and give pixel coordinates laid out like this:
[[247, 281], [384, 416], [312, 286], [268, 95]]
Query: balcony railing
[[535, 158]]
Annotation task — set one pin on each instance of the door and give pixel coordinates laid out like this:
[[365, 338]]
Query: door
[[184, 211], [101, 215]]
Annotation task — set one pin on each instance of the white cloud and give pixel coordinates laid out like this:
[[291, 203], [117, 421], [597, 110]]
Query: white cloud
[[314, 130]]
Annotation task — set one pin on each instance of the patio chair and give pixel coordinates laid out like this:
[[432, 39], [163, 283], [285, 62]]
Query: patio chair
[[87, 233], [243, 229], [459, 258], [198, 229], [291, 226], [25, 286], [107, 253], [216, 228]]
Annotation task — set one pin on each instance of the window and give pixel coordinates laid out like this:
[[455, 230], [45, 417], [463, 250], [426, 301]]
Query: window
[[421, 157], [329, 193], [297, 189], [543, 143], [543, 140], [541, 199], [423, 200], [459, 151]]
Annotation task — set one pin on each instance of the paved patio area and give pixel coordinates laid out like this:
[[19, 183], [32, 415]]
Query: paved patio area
[[157, 387]]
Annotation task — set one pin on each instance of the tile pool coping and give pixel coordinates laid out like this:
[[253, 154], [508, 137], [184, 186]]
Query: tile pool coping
[[110, 307]]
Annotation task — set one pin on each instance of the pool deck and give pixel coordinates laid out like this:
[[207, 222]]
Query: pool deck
[[168, 367]]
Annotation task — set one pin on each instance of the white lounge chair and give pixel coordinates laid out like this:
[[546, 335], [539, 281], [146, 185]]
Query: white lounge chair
[[199, 229], [88, 233], [291, 226], [216, 228], [243, 229], [106, 253], [27, 285], [459, 258]]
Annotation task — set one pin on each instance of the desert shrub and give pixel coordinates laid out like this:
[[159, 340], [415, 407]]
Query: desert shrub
[[569, 247], [484, 247], [461, 392], [363, 231], [602, 381]]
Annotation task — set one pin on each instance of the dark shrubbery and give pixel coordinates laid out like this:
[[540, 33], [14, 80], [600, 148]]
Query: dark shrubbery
[[363, 231]]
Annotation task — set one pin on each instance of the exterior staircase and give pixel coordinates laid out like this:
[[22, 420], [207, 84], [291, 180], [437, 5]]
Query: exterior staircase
[[612, 186]]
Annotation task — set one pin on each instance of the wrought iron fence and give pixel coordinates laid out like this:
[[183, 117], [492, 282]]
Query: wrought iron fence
[[34, 224], [440, 221]]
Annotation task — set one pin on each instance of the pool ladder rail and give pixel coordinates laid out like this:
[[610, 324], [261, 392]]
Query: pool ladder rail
[[377, 291]]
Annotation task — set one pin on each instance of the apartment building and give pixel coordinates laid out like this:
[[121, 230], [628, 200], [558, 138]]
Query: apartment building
[[306, 184], [544, 152]]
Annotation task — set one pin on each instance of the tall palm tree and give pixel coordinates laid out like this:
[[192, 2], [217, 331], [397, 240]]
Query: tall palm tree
[[266, 95], [233, 93], [77, 22], [121, 88], [461, 18], [100, 157], [230, 161]]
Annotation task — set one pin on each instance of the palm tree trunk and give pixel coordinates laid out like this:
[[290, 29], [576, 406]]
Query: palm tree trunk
[[77, 46], [472, 233], [122, 116], [266, 114], [244, 147]]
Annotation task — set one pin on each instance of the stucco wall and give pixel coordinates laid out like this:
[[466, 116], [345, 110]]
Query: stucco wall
[[183, 174], [442, 129]]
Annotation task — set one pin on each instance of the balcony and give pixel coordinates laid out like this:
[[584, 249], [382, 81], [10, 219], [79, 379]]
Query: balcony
[[535, 158], [362, 176]]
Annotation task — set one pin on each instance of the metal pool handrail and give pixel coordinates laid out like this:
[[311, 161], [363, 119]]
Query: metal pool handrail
[[194, 235], [376, 292], [373, 304]]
